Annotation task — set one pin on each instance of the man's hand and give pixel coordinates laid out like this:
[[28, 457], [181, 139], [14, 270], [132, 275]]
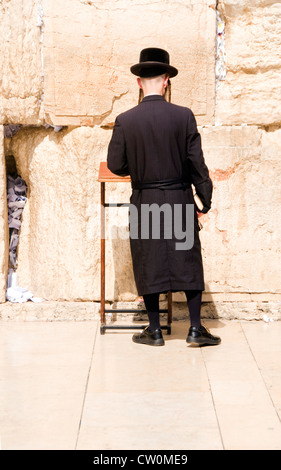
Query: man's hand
[[200, 214]]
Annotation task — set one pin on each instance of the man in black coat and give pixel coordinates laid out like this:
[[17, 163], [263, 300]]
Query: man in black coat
[[157, 143]]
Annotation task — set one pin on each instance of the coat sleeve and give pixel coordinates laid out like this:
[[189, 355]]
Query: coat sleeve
[[198, 169], [116, 155]]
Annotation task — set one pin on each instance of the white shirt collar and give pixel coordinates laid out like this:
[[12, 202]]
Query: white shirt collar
[[150, 94]]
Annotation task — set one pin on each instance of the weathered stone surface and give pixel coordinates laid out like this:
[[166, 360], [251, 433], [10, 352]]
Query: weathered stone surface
[[59, 251], [59, 248], [85, 51], [241, 232], [85, 311], [4, 247], [251, 90], [70, 65], [90, 45], [49, 311], [21, 84]]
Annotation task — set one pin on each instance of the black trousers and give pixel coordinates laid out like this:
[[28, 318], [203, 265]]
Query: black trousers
[[194, 300]]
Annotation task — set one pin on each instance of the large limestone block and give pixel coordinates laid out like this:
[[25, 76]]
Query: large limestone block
[[251, 90], [59, 248], [89, 47], [21, 84], [59, 251], [3, 221], [240, 235]]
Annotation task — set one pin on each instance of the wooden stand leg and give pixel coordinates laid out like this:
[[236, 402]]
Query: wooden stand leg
[[103, 310], [102, 296], [170, 312]]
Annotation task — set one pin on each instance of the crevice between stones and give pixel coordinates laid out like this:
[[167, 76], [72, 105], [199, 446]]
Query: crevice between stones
[[17, 193]]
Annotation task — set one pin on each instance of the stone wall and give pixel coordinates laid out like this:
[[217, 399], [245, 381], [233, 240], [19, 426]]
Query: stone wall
[[251, 93], [70, 67], [89, 47], [3, 221]]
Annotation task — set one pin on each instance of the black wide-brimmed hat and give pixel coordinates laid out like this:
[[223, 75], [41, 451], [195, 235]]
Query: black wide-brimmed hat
[[153, 61]]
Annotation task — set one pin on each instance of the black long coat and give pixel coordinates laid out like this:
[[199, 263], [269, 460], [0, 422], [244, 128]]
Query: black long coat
[[153, 141]]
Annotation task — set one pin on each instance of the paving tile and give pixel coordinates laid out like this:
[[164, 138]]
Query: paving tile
[[151, 437], [44, 369], [119, 364], [246, 415], [145, 397], [65, 386], [264, 339]]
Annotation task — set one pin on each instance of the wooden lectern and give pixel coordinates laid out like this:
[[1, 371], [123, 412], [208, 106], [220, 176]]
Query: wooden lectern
[[106, 176]]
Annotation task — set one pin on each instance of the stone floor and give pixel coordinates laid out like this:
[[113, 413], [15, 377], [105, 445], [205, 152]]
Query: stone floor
[[66, 386]]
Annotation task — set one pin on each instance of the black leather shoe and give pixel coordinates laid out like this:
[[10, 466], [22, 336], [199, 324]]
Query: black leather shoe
[[201, 336], [150, 337]]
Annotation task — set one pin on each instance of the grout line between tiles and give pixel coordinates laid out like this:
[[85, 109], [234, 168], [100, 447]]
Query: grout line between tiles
[[260, 372], [86, 388], [213, 401]]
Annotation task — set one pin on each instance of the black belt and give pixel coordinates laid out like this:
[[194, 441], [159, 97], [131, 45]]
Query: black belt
[[162, 184]]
